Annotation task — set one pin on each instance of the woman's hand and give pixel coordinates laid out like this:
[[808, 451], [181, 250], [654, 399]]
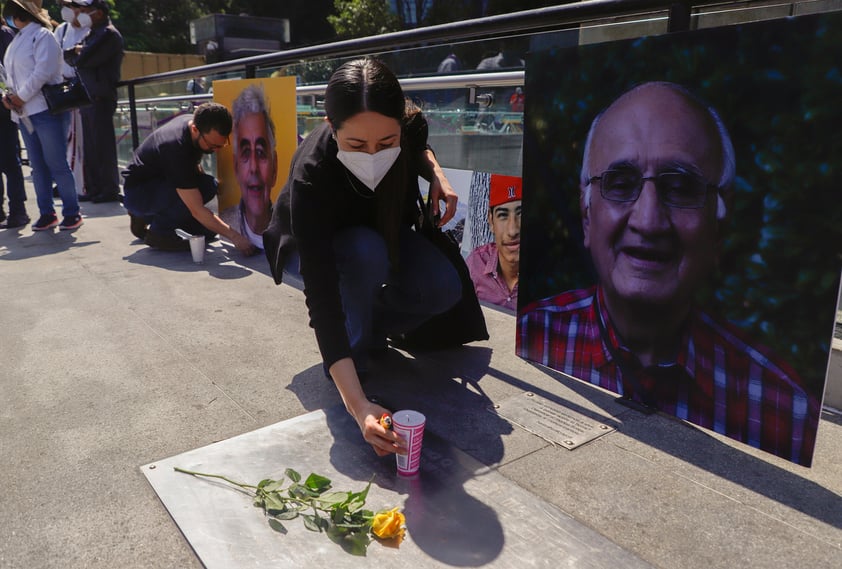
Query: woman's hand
[[383, 441], [365, 413], [440, 190]]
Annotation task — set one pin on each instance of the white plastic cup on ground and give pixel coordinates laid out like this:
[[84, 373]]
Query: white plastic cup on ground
[[410, 425], [197, 248]]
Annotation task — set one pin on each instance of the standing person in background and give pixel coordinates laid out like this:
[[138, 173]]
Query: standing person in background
[[32, 60], [68, 35], [97, 60], [517, 100], [10, 155], [450, 64], [196, 86]]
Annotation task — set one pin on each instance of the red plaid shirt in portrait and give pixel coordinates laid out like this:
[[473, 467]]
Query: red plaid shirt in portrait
[[719, 379]]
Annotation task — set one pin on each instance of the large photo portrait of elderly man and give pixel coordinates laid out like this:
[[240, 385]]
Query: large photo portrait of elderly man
[[681, 237], [254, 165]]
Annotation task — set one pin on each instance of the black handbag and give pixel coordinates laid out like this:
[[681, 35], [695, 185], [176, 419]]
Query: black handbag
[[465, 321], [69, 94]]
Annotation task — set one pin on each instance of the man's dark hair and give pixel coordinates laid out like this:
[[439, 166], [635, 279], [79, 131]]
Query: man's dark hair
[[213, 116], [101, 5]]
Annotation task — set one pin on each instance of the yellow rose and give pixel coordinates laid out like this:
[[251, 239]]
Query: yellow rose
[[388, 524]]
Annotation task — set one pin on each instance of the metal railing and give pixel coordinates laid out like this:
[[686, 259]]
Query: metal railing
[[539, 20]]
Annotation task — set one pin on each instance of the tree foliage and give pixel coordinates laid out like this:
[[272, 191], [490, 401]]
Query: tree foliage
[[163, 25], [361, 18]]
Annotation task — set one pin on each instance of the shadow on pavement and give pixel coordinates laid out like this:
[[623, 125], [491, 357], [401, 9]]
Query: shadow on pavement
[[217, 263], [699, 448], [460, 530], [23, 243]]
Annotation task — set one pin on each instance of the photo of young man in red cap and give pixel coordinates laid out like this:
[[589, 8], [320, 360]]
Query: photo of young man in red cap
[[495, 266]]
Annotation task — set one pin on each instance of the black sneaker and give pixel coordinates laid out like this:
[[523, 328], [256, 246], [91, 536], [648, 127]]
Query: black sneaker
[[166, 241], [71, 222], [17, 220], [46, 221], [138, 227]]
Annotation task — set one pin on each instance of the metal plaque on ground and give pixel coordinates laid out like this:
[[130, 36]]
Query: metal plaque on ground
[[551, 421], [459, 513]]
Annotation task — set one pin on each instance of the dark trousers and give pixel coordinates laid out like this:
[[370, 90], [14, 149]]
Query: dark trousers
[[158, 203], [100, 148], [10, 166]]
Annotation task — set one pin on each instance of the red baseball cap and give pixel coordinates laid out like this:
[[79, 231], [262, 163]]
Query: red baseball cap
[[504, 189]]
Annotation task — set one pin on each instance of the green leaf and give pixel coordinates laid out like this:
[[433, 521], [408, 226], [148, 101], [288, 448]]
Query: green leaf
[[312, 522], [273, 503], [339, 515], [273, 485], [333, 498], [355, 505], [276, 525], [356, 500], [336, 533], [356, 543], [317, 483], [292, 475], [264, 482], [302, 492], [289, 514]]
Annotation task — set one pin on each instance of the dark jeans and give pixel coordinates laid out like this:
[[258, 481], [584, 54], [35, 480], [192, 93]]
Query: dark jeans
[[100, 148], [10, 166], [380, 301], [158, 202]]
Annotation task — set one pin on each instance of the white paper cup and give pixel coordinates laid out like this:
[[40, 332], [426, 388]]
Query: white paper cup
[[197, 248], [410, 425]]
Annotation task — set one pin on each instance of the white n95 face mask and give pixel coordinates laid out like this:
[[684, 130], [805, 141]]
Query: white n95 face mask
[[84, 20], [370, 169]]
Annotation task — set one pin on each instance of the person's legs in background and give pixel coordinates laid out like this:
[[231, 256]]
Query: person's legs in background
[[50, 131], [75, 154], [101, 176], [140, 201], [41, 180], [10, 166], [158, 205]]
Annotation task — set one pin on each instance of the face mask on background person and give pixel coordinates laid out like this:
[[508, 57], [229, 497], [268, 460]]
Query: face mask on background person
[[370, 169], [11, 22], [84, 20], [68, 15]]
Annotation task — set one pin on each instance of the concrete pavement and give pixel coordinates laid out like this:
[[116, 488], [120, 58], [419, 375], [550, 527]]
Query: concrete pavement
[[114, 356]]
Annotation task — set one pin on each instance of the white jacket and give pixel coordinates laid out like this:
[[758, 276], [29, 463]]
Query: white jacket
[[32, 60]]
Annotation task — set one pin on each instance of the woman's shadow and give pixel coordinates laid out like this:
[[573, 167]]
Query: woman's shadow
[[443, 519]]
